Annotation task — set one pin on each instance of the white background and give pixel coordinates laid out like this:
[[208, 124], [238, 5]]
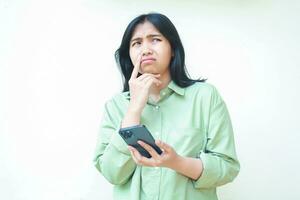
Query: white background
[[57, 69]]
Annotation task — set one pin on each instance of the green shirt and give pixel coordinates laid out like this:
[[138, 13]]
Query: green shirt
[[194, 121]]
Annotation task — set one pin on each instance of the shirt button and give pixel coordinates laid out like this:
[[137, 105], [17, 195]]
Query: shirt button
[[156, 107], [163, 93]]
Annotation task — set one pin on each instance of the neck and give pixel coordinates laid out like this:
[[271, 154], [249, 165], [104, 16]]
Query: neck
[[155, 90]]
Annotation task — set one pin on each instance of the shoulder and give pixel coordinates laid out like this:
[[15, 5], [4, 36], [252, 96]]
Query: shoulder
[[204, 89], [117, 101], [204, 92]]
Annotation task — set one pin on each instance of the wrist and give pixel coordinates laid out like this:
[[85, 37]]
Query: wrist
[[176, 162], [132, 111], [131, 118]]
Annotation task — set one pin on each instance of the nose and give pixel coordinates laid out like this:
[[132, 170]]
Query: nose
[[146, 50]]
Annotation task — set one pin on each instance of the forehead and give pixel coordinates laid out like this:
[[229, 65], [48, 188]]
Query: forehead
[[144, 29]]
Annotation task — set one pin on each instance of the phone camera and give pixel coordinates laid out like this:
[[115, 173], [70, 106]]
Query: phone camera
[[127, 134]]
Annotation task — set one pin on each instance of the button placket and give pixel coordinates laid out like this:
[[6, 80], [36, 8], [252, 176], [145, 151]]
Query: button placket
[[157, 135]]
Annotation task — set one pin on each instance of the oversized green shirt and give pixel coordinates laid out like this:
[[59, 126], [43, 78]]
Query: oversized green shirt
[[194, 121]]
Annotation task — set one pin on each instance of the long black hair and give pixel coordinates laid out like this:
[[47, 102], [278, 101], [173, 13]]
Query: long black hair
[[163, 24]]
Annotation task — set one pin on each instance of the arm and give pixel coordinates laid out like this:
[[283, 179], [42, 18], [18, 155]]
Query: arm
[[190, 167], [218, 162], [219, 159], [112, 158]]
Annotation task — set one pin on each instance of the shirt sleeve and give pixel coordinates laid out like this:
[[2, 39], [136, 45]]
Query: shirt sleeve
[[112, 157], [219, 157]]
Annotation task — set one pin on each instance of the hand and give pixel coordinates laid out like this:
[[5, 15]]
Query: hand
[[167, 159], [139, 87]]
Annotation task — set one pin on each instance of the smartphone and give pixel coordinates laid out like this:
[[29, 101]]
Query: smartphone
[[133, 134]]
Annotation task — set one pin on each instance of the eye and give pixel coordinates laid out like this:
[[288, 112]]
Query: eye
[[135, 43], [156, 40]]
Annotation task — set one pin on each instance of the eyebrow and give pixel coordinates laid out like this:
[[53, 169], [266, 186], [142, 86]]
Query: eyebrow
[[148, 36]]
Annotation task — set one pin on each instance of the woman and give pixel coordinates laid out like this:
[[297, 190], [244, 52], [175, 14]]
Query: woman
[[188, 119]]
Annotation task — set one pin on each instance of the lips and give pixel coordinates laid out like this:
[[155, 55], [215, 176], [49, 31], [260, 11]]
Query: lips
[[147, 60]]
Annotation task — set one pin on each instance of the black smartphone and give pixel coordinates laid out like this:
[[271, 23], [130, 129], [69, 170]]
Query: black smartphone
[[133, 134]]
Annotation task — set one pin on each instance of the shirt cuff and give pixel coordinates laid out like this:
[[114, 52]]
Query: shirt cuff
[[209, 174], [118, 142]]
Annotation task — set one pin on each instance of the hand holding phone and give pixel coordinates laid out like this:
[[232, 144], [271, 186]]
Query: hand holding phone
[[133, 134]]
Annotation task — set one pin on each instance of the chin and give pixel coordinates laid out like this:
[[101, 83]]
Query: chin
[[147, 69], [150, 72]]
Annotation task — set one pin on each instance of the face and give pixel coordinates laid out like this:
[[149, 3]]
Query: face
[[153, 46]]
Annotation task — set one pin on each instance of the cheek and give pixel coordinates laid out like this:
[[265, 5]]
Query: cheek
[[132, 56], [133, 53], [166, 54]]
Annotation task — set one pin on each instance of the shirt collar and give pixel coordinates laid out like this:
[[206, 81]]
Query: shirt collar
[[179, 90], [172, 85]]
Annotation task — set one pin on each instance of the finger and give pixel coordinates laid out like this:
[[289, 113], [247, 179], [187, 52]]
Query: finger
[[137, 154], [136, 67], [131, 149], [150, 149], [143, 76], [145, 80], [147, 74], [141, 160], [164, 146], [151, 81]]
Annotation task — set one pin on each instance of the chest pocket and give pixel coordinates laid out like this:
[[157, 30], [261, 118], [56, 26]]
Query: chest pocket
[[187, 141]]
